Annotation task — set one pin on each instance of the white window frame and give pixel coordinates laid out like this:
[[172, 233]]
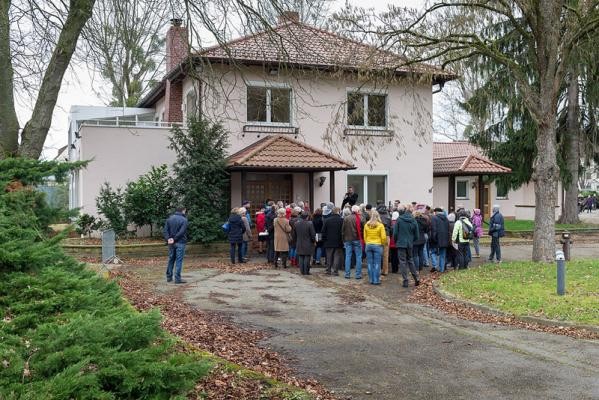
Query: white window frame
[[366, 174], [467, 197], [268, 86], [365, 93]]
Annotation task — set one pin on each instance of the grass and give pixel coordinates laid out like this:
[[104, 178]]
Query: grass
[[529, 225], [529, 289]]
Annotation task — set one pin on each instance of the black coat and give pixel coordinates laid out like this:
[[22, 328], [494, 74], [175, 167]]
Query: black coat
[[332, 236], [350, 199], [423, 229], [236, 229], [317, 221], [439, 231], [304, 237]]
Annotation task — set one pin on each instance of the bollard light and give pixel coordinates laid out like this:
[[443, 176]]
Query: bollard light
[[561, 272]]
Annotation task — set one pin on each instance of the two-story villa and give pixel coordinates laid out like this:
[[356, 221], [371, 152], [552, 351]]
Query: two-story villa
[[309, 113]]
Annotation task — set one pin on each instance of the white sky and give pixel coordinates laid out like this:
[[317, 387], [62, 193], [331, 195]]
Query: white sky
[[81, 87]]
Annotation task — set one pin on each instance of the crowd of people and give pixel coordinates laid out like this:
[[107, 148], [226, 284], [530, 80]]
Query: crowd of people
[[408, 237]]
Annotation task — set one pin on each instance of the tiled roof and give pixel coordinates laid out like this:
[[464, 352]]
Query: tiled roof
[[295, 43], [282, 152], [458, 148], [463, 158]]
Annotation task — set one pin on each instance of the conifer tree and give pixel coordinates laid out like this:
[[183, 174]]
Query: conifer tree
[[201, 180]]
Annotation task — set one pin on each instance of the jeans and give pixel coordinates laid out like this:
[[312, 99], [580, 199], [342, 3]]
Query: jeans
[[292, 252], [418, 252], [244, 249], [353, 247], [495, 249], [318, 254], [406, 261], [475, 242], [426, 252], [239, 252], [438, 258], [176, 252], [374, 252], [304, 264]]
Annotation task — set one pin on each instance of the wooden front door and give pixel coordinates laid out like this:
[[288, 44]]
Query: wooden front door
[[486, 211], [260, 187]]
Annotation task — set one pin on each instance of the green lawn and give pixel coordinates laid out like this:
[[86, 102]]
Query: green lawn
[[526, 288], [529, 225]]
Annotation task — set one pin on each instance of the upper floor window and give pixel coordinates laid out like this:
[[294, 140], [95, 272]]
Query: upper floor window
[[367, 110], [269, 104]]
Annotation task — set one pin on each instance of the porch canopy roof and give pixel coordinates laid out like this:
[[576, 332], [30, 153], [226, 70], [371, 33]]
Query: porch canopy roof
[[278, 152], [463, 158]]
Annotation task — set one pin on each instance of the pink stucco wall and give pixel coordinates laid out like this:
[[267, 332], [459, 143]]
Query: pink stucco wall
[[118, 155]]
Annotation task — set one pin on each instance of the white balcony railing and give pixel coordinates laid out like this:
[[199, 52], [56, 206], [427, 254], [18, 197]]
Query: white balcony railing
[[129, 123]]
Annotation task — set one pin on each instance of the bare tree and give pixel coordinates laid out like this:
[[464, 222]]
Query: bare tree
[[124, 41], [55, 26]]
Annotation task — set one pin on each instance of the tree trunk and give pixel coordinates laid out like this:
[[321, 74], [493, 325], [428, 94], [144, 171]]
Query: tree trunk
[[570, 206], [545, 176], [9, 124], [35, 131]]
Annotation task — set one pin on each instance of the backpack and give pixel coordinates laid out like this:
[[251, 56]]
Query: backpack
[[466, 230]]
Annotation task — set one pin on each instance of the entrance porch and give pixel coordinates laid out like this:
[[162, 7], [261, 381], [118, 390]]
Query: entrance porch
[[281, 168]]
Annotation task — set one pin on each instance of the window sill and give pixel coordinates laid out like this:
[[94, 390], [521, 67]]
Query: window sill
[[274, 128], [462, 198], [367, 131], [501, 198]]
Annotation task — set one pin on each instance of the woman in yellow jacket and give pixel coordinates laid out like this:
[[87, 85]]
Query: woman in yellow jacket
[[375, 238]]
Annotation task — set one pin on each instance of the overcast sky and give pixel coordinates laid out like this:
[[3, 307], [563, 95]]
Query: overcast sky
[[81, 87]]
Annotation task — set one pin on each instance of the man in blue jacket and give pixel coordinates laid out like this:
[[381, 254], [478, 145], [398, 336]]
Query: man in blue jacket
[[496, 230], [175, 234]]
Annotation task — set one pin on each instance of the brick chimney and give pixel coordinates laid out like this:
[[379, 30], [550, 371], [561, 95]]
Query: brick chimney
[[177, 50], [288, 16], [177, 45]]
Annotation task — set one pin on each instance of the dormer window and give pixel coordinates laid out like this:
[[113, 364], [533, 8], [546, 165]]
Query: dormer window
[[269, 104]]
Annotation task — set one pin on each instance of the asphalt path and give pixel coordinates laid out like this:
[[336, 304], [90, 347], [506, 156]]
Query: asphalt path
[[387, 348]]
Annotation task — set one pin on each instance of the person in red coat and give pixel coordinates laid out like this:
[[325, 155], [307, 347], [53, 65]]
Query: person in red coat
[[261, 228]]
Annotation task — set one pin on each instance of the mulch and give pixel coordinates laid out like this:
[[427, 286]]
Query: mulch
[[218, 335], [426, 295]]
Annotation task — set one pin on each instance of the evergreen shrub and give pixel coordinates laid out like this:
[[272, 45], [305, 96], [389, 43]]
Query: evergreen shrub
[[65, 332]]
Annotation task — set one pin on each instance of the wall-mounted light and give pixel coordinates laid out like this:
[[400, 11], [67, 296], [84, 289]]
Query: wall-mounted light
[[321, 180], [473, 185]]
